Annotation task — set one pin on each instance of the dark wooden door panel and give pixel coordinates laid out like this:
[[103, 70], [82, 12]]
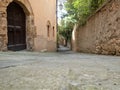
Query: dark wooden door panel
[[11, 35], [16, 27]]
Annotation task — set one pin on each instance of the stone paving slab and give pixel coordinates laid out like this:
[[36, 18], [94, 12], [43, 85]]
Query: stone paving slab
[[59, 71]]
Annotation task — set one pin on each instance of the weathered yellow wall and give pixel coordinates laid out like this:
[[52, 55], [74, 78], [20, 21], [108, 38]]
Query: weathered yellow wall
[[44, 10]]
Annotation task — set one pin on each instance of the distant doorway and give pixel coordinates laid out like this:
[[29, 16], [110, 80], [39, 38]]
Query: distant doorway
[[16, 27]]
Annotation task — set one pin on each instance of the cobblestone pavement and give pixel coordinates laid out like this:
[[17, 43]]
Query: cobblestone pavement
[[58, 71]]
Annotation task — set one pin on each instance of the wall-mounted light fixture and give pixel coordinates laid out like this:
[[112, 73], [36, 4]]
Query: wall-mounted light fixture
[[61, 6]]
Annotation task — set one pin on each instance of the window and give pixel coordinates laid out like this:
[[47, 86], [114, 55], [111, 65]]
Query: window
[[48, 31], [48, 28], [53, 31]]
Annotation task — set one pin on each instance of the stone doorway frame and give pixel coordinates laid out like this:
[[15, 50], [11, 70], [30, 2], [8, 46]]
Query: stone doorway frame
[[30, 27]]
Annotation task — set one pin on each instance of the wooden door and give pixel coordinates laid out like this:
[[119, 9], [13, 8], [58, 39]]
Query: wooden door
[[16, 27]]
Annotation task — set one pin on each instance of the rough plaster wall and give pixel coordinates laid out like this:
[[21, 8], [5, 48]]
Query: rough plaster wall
[[44, 11], [101, 34], [86, 37]]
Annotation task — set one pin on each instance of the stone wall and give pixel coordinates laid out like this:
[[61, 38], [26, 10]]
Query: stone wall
[[3, 27], [30, 28], [101, 34]]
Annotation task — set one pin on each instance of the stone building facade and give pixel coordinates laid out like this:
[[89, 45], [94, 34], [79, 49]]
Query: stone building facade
[[101, 34], [28, 24]]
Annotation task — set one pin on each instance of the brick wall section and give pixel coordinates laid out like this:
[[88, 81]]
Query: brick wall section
[[101, 34]]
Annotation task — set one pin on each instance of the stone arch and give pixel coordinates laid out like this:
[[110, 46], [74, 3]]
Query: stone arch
[[30, 27], [48, 23], [25, 4]]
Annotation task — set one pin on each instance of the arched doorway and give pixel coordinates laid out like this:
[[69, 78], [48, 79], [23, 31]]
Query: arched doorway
[[16, 19]]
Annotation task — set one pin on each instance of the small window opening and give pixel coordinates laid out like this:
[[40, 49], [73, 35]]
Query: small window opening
[[48, 31], [53, 31]]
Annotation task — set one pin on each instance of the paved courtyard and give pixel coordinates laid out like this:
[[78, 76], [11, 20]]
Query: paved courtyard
[[58, 71]]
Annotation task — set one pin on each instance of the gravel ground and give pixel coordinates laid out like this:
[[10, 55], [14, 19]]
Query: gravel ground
[[58, 71]]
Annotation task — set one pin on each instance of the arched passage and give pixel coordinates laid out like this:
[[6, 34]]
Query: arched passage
[[16, 19], [28, 34]]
